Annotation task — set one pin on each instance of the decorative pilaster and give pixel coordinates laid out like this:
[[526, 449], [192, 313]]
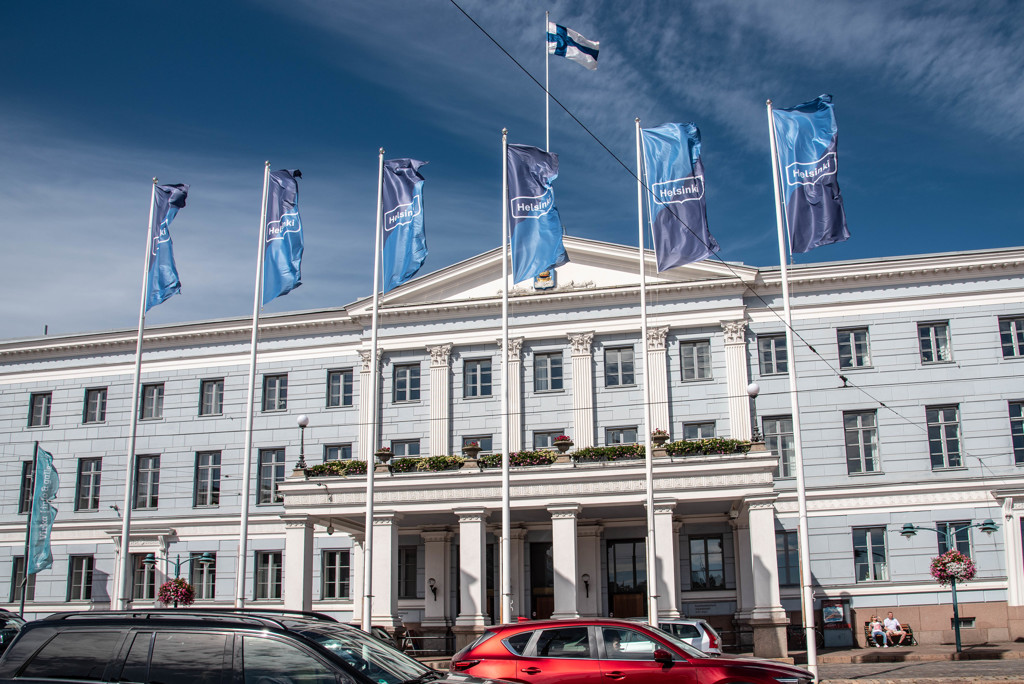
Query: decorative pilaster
[[589, 554], [471, 620], [737, 378], [515, 393], [657, 379], [440, 399], [665, 550], [437, 567], [582, 389], [567, 579], [368, 431], [298, 563]]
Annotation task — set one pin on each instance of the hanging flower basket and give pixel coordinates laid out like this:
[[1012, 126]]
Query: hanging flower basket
[[953, 566], [176, 592]]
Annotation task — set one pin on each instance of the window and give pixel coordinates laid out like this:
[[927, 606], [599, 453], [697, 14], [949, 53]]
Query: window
[[207, 484], [211, 397], [545, 440], [869, 562], [275, 392], [147, 481], [773, 354], [707, 563], [1011, 335], [28, 469], [271, 472], [407, 383], [778, 438], [95, 405], [944, 436], [936, 346], [485, 442], [335, 574], [80, 578], [618, 367], [203, 575], [87, 489], [695, 358], [853, 348], [152, 402], [476, 378], [268, 575], [17, 578], [957, 531], [339, 388], [625, 435], [564, 642], [410, 447], [143, 578], [787, 554], [407, 572], [39, 409], [547, 372], [270, 660], [337, 452], [628, 644], [693, 431], [77, 655], [180, 656], [1017, 430], [861, 442]]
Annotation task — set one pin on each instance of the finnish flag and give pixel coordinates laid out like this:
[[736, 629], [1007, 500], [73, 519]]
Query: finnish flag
[[567, 43]]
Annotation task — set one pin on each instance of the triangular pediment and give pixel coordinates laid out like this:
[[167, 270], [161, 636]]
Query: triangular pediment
[[593, 265]]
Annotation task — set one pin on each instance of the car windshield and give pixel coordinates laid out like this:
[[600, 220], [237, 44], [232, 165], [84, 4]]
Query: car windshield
[[368, 655], [678, 643]]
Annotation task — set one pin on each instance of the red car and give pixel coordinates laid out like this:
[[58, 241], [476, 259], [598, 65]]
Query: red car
[[589, 651]]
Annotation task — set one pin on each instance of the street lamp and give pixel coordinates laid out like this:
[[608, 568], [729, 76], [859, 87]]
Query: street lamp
[[303, 421], [949, 534], [205, 559], [753, 389]]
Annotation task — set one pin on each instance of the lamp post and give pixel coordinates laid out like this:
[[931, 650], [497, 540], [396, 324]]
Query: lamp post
[[753, 389], [303, 421], [205, 559], [949, 535]]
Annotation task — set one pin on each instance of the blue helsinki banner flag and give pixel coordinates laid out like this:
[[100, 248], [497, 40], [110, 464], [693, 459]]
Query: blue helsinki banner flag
[[807, 140], [43, 513], [162, 279], [567, 43], [404, 243], [536, 227], [675, 181], [282, 251]]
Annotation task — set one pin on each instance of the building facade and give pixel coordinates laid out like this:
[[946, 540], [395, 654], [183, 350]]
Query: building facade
[[912, 411]]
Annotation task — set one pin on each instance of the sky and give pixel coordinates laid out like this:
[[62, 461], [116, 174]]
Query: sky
[[100, 97]]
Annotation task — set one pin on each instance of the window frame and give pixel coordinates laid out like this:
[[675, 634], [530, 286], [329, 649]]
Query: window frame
[[696, 353], [408, 567], [927, 332], [342, 447], [869, 550], [854, 360], [215, 407], [147, 490], [611, 432], [151, 407], [17, 575], [772, 354], [80, 576], [271, 467], [409, 376], [209, 474], [143, 578], [203, 576], [400, 448], [938, 435], [87, 484], [546, 433], [544, 372], [335, 574], [620, 376], [481, 440], [1016, 410], [46, 399], [787, 452], [788, 557], [343, 395], [268, 576], [99, 414], [275, 392], [477, 378], [699, 426], [866, 436], [1011, 336], [707, 555], [962, 536], [26, 487]]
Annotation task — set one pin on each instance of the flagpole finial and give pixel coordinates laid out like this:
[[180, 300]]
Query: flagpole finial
[[769, 102], [154, 180], [637, 119], [380, 151], [267, 163]]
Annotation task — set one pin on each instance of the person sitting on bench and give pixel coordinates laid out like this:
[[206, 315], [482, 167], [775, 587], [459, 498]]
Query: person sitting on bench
[[878, 632], [894, 629]]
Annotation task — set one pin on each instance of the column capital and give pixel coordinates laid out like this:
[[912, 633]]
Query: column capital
[[365, 359], [383, 519], [436, 535], [735, 331], [517, 533], [440, 355], [515, 348], [581, 343], [471, 515], [665, 506], [589, 530], [297, 521], [656, 338], [565, 510], [760, 503]]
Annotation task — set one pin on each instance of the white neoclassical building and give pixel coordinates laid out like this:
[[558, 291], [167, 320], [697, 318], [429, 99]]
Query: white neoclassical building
[[911, 402]]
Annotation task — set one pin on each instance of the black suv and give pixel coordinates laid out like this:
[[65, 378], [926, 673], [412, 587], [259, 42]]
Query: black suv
[[206, 647]]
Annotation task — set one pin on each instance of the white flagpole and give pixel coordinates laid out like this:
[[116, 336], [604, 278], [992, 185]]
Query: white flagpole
[[547, 93], [652, 567], [243, 528], [121, 598], [806, 591], [368, 449], [506, 484]]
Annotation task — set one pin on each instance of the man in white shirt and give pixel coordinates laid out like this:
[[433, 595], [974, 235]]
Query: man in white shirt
[[894, 629]]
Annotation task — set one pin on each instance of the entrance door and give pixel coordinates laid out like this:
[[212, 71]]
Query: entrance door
[[627, 578], [542, 581]]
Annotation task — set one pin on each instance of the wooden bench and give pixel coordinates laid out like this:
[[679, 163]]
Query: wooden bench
[[909, 641]]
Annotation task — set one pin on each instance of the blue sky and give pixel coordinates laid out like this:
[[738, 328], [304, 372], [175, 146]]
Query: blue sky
[[99, 97]]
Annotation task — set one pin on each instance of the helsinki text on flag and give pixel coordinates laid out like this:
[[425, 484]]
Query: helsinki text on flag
[[536, 227], [404, 240], [565, 42], [675, 178], [282, 256], [162, 279], [43, 492], [807, 140]]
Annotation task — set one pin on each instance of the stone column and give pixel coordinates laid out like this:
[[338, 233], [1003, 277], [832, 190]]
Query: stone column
[[298, 562], [665, 550], [355, 569], [515, 393], [384, 609], [744, 579], [582, 390], [657, 379], [737, 378], [1012, 502], [437, 567], [518, 562], [563, 539], [767, 618], [367, 431], [472, 575], [440, 400], [589, 553]]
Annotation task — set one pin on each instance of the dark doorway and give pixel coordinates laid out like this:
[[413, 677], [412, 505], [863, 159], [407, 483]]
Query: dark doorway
[[627, 578], [542, 581]]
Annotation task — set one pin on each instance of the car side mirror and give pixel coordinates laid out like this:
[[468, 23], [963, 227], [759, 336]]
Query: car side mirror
[[662, 656]]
